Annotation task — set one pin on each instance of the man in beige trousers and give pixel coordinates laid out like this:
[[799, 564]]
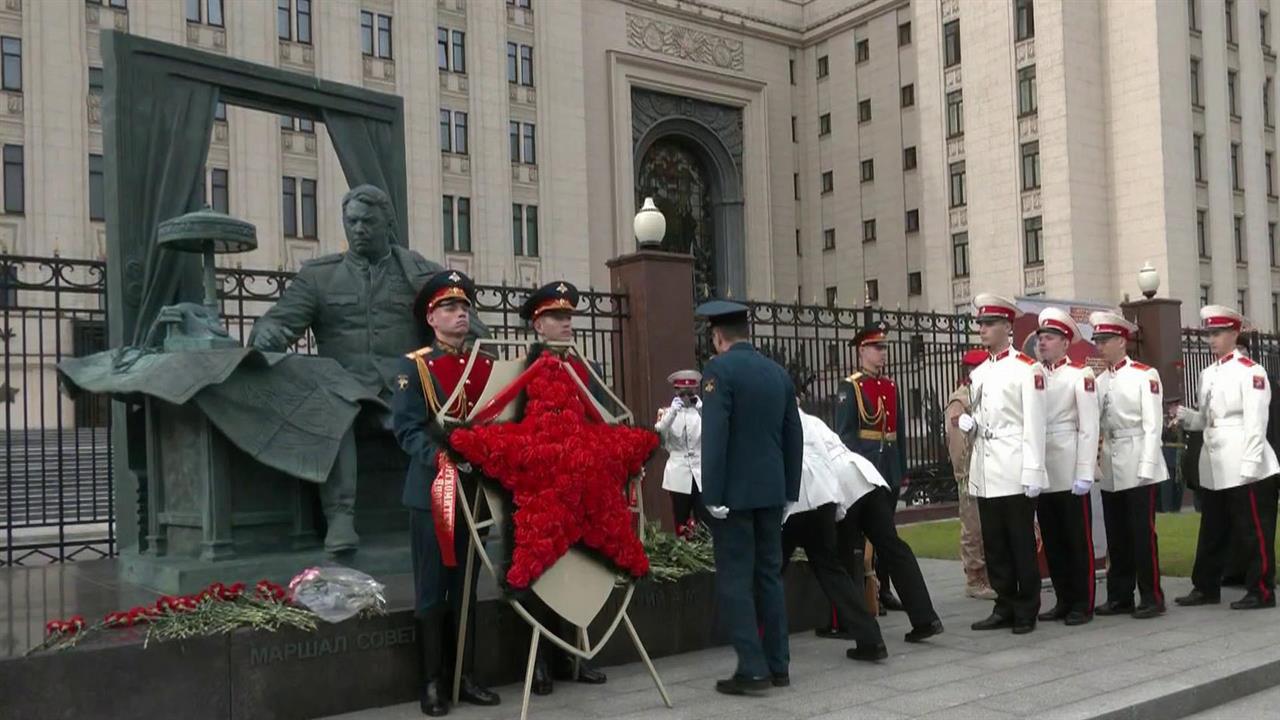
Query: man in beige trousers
[[959, 447]]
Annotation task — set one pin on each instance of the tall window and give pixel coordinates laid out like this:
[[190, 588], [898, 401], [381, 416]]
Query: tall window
[[1271, 243], [458, 53], [915, 283], [1195, 82], [375, 34], [795, 185], [524, 229], [1239, 238], [456, 214], [904, 34], [957, 184], [1231, 94], [220, 111], [528, 145], [868, 170], [526, 65], [207, 11], [1033, 240], [97, 193], [828, 181], [832, 293], [1205, 294], [1197, 155], [863, 51], [1266, 102], [1202, 232], [1275, 312], [1230, 8], [913, 221], [873, 290], [824, 124], [864, 110], [453, 131], [909, 158], [1235, 166], [1271, 175], [960, 255], [309, 225], [1026, 19], [14, 194], [908, 95], [1193, 15], [829, 239], [96, 81], [11, 60], [951, 43], [791, 70], [955, 114], [1031, 165], [1264, 31], [289, 206], [1242, 300], [869, 230], [1027, 103], [286, 21], [823, 67]]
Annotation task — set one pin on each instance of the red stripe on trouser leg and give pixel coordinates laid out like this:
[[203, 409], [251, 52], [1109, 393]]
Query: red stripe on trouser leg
[[1263, 590], [835, 619], [1155, 554], [1088, 547]]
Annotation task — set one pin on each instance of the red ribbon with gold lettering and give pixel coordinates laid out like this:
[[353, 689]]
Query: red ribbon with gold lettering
[[444, 495]]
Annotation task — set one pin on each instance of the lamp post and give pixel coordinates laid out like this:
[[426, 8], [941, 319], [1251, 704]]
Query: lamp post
[[1148, 280], [650, 225]]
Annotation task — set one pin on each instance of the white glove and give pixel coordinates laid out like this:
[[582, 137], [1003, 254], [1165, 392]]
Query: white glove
[[1032, 491], [465, 467], [966, 422], [1181, 413], [1081, 487], [718, 512], [676, 403]]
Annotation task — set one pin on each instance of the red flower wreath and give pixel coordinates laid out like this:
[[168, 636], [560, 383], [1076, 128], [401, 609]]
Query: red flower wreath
[[567, 473]]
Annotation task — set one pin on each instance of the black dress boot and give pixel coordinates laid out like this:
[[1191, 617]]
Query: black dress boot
[[542, 683], [434, 697]]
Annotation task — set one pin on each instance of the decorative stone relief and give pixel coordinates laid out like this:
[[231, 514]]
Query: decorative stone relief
[[1031, 202], [960, 291], [1025, 51], [649, 107], [1028, 128], [955, 149], [15, 103], [121, 20], [220, 131], [95, 109], [13, 5], [952, 78], [950, 8], [1033, 278], [958, 217], [684, 43]]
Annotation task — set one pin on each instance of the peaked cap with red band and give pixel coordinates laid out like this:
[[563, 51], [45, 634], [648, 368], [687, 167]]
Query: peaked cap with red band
[[988, 306], [1109, 323], [685, 378], [1216, 317], [1054, 319], [443, 286], [873, 334], [557, 295]]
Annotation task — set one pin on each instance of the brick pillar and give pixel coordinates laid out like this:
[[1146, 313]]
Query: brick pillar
[[1159, 342], [657, 340]]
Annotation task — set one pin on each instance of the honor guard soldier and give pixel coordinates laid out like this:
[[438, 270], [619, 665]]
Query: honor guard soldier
[[426, 380], [1006, 470], [752, 455], [549, 311], [680, 426], [1237, 469], [1132, 464], [867, 421], [1070, 455]]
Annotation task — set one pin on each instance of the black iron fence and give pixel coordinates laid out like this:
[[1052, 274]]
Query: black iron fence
[[1263, 348], [56, 489], [924, 358]]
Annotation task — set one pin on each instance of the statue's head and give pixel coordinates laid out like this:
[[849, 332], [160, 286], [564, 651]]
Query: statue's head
[[367, 217]]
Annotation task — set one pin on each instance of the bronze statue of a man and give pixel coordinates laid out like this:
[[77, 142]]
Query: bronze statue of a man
[[357, 305]]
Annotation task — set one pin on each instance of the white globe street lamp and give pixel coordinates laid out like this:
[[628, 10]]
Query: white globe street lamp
[[1148, 280], [650, 225]]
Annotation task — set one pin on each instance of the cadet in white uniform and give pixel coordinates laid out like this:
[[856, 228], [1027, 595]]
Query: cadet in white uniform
[[1070, 455], [1006, 470], [680, 427], [1131, 396], [1237, 469]]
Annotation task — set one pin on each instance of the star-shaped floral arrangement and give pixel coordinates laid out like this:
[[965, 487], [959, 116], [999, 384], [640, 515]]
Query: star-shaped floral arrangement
[[566, 471]]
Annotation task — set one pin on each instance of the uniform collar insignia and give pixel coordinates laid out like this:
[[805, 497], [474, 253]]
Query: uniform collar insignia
[[1227, 357], [1118, 366], [1001, 355]]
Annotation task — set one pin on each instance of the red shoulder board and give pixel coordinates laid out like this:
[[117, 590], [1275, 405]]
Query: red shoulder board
[[1155, 387], [1039, 381], [1088, 384], [1026, 359], [1140, 366], [1247, 362], [1259, 382]]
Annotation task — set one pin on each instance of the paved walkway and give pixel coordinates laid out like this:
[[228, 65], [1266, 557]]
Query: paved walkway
[[1173, 666]]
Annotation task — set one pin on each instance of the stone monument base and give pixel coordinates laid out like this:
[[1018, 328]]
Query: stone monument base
[[379, 555]]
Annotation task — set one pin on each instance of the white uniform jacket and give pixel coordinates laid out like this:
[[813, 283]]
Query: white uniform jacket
[[681, 433], [1071, 424], [1233, 401], [1009, 407], [832, 473], [1131, 397]]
